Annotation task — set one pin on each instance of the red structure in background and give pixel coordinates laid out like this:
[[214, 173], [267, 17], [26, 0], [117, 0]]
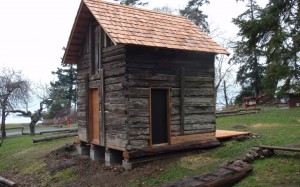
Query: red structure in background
[[251, 101]]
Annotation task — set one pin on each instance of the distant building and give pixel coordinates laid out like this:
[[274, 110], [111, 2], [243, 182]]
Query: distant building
[[293, 100]]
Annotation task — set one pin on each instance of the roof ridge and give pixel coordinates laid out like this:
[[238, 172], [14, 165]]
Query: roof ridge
[[137, 8]]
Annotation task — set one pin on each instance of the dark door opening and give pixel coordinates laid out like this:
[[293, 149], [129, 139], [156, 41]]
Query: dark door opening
[[159, 116]]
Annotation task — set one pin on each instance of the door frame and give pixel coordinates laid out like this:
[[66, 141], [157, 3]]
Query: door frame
[[169, 105], [90, 127]]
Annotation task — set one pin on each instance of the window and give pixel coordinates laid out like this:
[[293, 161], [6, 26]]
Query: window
[[96, 48]]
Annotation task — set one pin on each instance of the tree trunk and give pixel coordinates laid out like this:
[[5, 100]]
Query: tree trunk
[[3, 132], [32, 128], [225, 94]]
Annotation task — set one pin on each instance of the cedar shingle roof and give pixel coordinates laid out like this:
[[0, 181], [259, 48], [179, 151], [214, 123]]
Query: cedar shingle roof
[[129, 25]]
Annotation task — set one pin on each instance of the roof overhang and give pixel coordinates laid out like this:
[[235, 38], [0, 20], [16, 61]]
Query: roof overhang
[[78, 33]]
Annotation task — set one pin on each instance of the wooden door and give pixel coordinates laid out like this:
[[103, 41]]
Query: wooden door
[[94, 120], [159, 116]]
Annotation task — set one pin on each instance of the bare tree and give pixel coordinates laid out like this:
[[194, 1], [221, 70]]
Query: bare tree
[[42, 92], [165, 9], [34, 117], [222, 70], [14, 91], [225, 93]]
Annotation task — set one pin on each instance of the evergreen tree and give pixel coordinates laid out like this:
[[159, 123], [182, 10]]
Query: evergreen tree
[[194, 13], [132, 2], [281, 38], [271, 33], [63, 91], [247, 51]]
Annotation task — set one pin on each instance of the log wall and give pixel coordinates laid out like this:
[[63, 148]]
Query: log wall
[[83, 69], [114, 84], [129, 73], [113, 64], [162, 68]]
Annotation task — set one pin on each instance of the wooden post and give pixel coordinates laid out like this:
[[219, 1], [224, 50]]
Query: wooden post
[[87, 107], [102, 128], [182, 102]]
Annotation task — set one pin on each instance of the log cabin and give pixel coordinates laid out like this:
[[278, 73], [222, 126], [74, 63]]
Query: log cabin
[[145, 82]]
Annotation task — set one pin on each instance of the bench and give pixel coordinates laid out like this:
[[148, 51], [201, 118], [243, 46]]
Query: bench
[[13, 128]]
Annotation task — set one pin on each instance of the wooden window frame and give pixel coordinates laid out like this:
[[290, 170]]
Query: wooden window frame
[[169, 109], [95, 48]]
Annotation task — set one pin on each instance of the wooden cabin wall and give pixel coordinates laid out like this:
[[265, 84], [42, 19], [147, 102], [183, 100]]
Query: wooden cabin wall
[[162, 68], [114, 81], [83, 69]]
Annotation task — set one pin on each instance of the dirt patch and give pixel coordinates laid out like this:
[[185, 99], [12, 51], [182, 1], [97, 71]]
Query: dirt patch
[[259, 125], [23, 152], [239, 127], [67, 168], [196, 161], [295, 145]]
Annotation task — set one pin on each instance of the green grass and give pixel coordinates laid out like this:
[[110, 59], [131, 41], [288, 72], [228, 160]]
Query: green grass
[[276, 127], [20, 152]]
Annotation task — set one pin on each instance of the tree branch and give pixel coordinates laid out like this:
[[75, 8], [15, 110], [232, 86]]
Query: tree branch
[[27, 113]]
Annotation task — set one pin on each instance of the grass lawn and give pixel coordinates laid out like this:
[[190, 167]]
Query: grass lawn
[[277, 127], [20, 152]]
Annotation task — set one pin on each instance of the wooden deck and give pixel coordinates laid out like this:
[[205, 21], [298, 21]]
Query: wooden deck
[[224, 134]]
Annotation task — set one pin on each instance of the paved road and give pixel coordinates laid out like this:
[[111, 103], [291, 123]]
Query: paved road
[[37, 131]]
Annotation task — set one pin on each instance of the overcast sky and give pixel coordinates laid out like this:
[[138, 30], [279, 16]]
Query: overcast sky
[[33, 32]]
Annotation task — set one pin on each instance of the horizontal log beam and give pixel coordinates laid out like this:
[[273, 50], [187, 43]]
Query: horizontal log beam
[[49, 138], [59, 130], [170, 149], [279, 148], [6, 182]]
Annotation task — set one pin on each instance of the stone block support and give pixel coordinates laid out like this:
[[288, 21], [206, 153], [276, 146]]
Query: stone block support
[[97, 153], [83, 149], [113, 157]]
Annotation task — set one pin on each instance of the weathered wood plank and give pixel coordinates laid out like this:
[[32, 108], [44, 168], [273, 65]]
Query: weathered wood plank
[[199, 131], [115, 100], [274, 148], [114, 87], [114, 108], [182, 100], [152, 83], [112, 48], [138, 120], [137, 103], [132, 92], [114, 64], [138, 113], [115, 72], [113, 58], [193, 138], [114, 52], [114, 80], [202, 118], [102, 108], [150, 151]]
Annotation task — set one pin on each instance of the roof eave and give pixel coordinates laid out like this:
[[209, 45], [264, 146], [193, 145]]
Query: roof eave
[[64, 59]]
